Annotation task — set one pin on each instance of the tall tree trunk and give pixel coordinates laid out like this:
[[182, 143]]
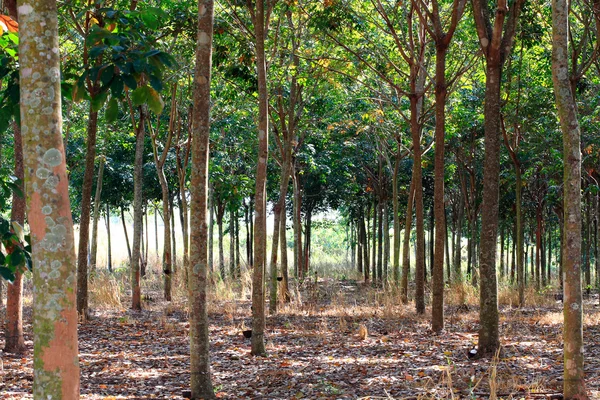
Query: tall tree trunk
[[458, 277], [538, 248], [143, 241], [55, 346], [365, 249], [386, 242], [406, 242], [574, 384], [359, 245], [109, 240], [284, 260], [13, 338], [496, 44], [260, 15], [220, 215], [380, 239], [201, 384], [502, 237], [238, 272], [232, 244], [396, 211], [297, 226], [136, 296], [84, 222], [437, 305], [374, 242], [167, 261], [173, 238], [211, 227], [125, 232], [278, 219], [96, 216]]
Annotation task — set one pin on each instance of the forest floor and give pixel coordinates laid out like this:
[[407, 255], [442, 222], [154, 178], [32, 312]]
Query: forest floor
[[317, 349]]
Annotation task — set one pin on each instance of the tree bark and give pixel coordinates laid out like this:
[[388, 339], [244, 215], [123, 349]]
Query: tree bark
[[574, 384], [201, 385], [84, 222], [126, 233], [406, 242], [96, 216], [496, 42], [260, 227], [14, 340], [136, 296], [55, 346], [109, 239]]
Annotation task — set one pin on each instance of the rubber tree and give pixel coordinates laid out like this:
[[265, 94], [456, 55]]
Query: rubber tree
[[574, 384], [442, 41], [260, 13], [56, 365], [496, 38], [201, 384]]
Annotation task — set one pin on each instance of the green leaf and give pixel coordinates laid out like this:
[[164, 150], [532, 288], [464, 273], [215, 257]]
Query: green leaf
[[99, 100], [97, 51], [156, 83], [130, 81], [140, 96], [112, 110], [7, 274], [155, 101], [17, 258], [116, 87], [107, 74]]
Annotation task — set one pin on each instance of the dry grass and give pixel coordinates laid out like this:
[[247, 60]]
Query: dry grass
[[106, 291]]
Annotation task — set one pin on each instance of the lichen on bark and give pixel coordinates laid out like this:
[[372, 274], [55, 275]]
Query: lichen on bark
[[56, 367]]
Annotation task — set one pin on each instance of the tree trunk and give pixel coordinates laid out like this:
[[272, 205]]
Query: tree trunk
[[284, 261], [84, 222], [489, 340], [437, 305], [109, 239], [136, 297], [406, 242], [359, 245], [96, 217], [211, 229], [201, 385], [167, 262], [374, 241], [55, 349], [574, 384], [260, 226], [231, 244], [183, 218], [220, 215], [143, 240], [278, 219], [502, 237], [496, 44], [125, 232], [298, 261], [14, 340], [173, 238], [386, 242], [365, 250], [396, 211], [458, 277]]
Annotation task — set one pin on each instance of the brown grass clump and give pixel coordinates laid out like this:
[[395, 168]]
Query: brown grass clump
[[462, 293], [105, 291]]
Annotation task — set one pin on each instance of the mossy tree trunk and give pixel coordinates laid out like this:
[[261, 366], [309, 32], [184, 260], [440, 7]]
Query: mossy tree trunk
[[55, 353]]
